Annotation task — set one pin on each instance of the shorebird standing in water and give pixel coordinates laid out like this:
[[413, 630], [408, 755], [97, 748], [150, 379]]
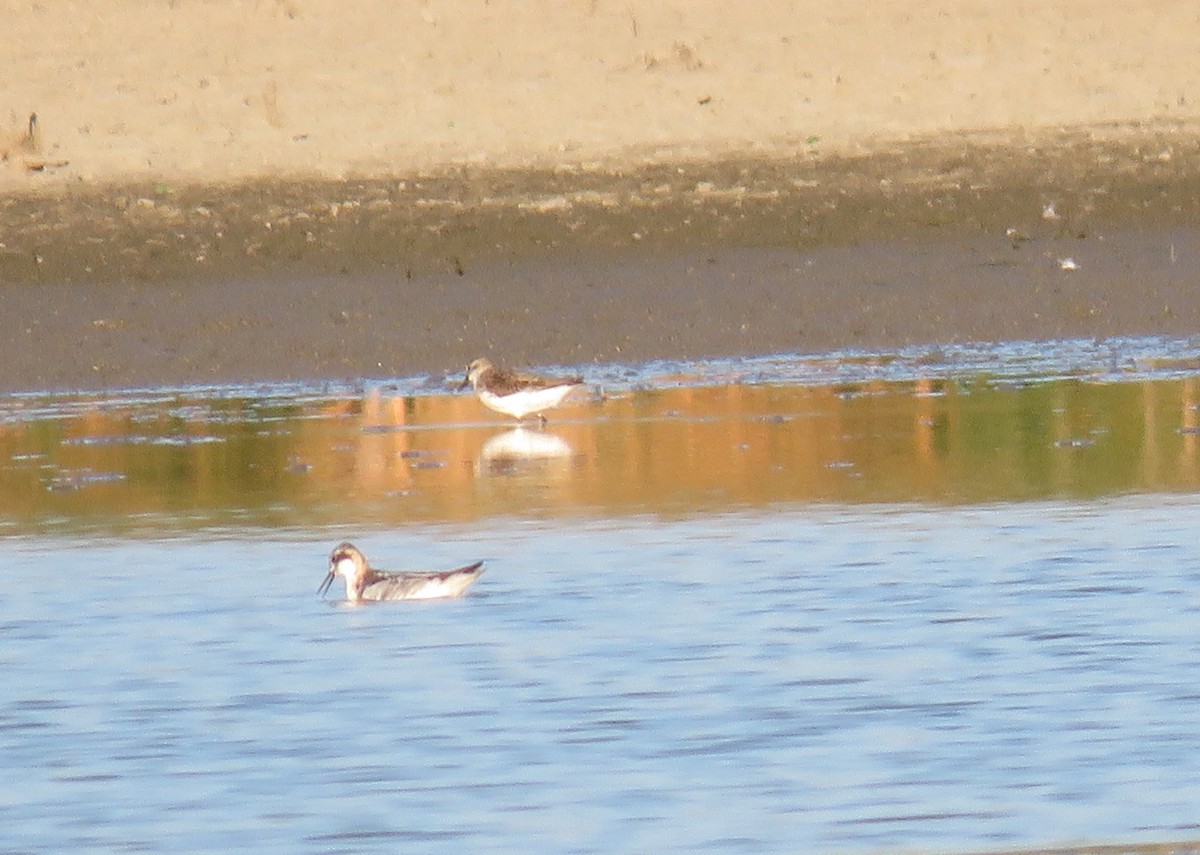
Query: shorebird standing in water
[[363, 582], [515, 393]]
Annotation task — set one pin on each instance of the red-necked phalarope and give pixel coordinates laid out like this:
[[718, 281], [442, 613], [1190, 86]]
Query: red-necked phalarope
[[517, 394], [363, 582]]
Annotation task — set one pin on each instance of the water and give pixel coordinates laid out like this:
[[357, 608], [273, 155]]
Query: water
[[963, 620], [681, 439], [816, 680]]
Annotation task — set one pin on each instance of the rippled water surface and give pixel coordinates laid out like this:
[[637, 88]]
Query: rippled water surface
[[937, 609]]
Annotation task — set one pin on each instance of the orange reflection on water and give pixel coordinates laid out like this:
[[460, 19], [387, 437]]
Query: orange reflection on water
[[393, 459]]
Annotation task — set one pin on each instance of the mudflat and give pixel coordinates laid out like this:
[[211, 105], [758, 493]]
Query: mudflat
[[227, 192]]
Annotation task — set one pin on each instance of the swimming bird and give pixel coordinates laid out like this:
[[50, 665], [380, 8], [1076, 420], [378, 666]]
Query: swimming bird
[[364, 582], [515, 393]]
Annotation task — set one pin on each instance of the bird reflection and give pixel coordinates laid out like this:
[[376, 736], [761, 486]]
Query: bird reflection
[[522, 450]]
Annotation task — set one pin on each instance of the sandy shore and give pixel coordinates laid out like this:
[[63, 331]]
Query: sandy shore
[[228, 191]]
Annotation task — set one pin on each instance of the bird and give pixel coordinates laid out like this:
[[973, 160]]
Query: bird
[[515, 393], [364, 582]]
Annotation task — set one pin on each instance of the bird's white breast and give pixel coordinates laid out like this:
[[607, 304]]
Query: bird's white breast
[[522, 403]]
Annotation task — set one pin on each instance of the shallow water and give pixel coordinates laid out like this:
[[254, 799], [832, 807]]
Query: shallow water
[[942, 613], [670, 440]]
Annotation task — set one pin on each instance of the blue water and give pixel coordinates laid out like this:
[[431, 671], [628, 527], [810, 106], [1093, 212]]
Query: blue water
[[866, 678]]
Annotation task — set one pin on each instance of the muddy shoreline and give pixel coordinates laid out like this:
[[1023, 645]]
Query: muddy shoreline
[[1070, 234]]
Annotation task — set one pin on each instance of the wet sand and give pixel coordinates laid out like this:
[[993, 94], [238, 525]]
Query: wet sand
[[283, 281], [659, 185]]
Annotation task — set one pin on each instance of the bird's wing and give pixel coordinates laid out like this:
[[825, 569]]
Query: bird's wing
[[397, 586], [506, 382], [470, 568]]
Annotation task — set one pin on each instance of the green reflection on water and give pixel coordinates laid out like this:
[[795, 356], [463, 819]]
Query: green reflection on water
[[177, 463]]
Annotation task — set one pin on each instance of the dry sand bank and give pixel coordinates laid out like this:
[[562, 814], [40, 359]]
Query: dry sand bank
[[223, 90]]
